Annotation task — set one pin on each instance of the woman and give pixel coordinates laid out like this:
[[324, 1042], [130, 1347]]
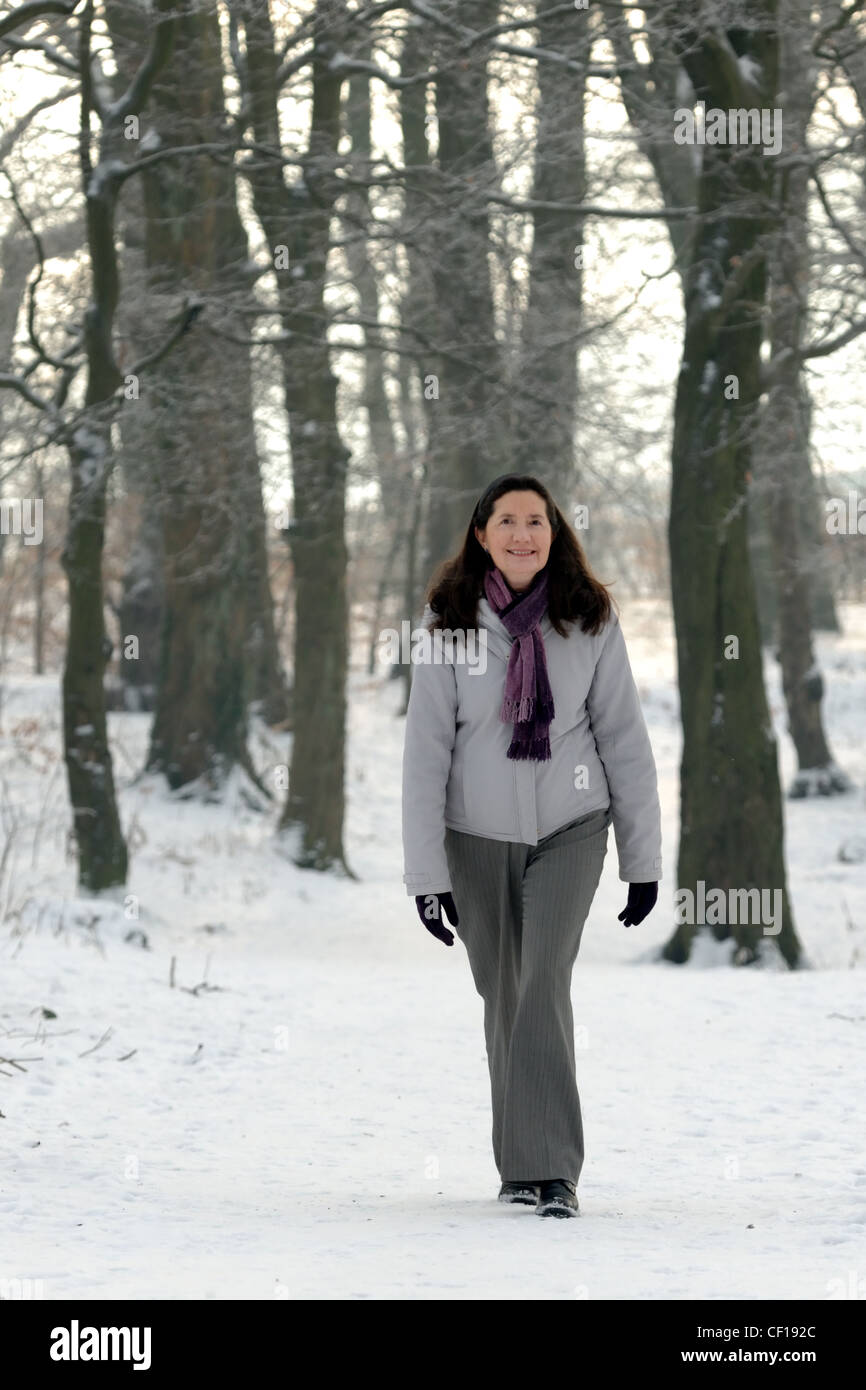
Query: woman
[[514, 767]]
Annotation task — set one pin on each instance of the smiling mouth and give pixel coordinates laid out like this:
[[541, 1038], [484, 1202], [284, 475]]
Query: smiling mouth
[[521, 554]]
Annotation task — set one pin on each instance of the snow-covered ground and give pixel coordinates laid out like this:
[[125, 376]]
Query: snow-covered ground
[[272, 1084]]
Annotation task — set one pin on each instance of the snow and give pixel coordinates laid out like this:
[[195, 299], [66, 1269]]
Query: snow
[[262, 1082], [103, 173], [750, 69], [340, 62], [704, 289], [91, 455], [708, 377]]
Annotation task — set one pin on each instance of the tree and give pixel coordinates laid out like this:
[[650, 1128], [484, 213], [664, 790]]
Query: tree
[[731, 828], [472, 444], [793, 577], [546, 418], [782, 446], [86, 432], [296, 222]]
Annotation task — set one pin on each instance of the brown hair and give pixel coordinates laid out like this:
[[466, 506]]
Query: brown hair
[[574, 594]]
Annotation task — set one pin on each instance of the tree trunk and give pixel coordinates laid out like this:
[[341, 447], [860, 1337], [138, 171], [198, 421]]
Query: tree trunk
[[783, 445], [39, 584], [419, 314], [358, 119], [813, 536], [731, 809], [392, 466], [142, 607], [546, 417], [218, 647], [102, 851], [297, 221], [471, 403]]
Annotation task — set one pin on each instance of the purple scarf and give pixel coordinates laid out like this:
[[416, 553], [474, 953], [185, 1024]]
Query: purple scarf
[[528, 699]]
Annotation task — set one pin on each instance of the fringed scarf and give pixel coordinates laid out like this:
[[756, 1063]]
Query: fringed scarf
[[528, 699]]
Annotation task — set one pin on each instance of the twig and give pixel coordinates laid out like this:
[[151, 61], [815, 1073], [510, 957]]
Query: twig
[[105, 1036], [16, 1062]]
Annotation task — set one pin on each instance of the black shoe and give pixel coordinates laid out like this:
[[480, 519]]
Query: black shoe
[[557, 1198], [526, 1193]]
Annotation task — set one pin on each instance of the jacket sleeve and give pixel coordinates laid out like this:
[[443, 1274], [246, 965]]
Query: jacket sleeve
[[430, 733], [623, 743]]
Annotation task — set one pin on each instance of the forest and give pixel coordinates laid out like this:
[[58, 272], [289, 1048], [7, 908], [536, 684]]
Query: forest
[[285, 285]]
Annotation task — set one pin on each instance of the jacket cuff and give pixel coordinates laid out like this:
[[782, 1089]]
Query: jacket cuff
[[641, 873], [418, 885]]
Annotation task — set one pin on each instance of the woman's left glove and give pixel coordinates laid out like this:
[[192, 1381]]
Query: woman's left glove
[[642, 899], [430, 909]]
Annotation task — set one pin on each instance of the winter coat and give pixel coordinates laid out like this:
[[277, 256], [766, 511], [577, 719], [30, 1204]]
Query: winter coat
[[456, 772]]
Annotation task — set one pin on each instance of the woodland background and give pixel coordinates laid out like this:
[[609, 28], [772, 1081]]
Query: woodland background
[[285, 285]]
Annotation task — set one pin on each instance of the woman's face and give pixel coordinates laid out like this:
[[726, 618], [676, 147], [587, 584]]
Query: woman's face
[[518, 537]]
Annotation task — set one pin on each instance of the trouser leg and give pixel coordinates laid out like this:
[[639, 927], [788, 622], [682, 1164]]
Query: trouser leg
[[542, 1135], [487, 883]]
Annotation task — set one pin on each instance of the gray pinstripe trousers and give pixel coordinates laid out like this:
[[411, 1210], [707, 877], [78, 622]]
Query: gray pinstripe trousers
[[522, 909]]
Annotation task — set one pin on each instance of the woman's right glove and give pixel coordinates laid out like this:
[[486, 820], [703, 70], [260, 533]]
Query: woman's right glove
[[431, 908]]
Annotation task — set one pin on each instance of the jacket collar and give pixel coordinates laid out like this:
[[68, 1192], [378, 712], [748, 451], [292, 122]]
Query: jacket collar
[[500, 639]]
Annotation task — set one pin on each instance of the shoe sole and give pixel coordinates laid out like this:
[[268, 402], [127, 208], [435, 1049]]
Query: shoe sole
[[555, 1209], [519, 1199]]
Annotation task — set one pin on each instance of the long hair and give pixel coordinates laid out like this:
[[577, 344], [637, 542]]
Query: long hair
[[574, 594]]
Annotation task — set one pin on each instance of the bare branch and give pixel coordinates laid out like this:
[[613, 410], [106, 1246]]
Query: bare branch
[[856, 251], [11, 136], [216, 148], [10, 382], [586, 209], [42, 353], [162, 39], [191, 310], [831, 345], [33, 10], [51, 51], [845, 13]]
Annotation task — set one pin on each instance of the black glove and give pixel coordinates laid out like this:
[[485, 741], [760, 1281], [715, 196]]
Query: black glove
[[641, 901], [430, 909]]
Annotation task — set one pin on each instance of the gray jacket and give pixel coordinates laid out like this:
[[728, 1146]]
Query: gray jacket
[[456, 772]]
